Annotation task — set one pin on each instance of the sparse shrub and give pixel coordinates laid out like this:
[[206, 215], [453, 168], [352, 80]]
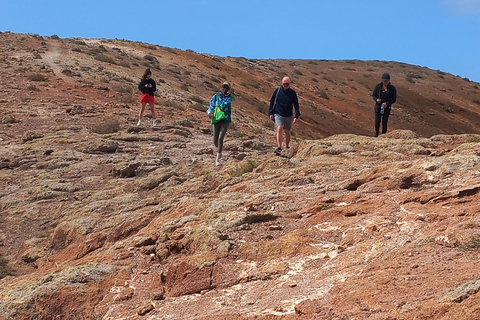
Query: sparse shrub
[[198, 99], [215, 79], [127, 99], [409, 79], [473, 138], [323, 94], [476, 101], [54, 36], [124, 64], [76, 49], [104, 58], [312, 62], [121, 89], [199, 107], [5, 270], [67, 72], [184, 86], [314, 80], [32, 88], [174, 105], [150, 58], [473, 244], [109, 126], [262, 108], [37, 77], [299, 72]]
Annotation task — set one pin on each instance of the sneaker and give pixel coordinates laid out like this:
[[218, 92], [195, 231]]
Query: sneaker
[[154, 122], [139, 123], [217, 163], [278, 151]]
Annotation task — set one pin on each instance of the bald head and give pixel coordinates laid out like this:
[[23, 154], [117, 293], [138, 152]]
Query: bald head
[[286, 82]]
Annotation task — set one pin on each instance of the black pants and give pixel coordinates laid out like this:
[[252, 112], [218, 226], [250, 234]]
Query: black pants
[[383, 118]]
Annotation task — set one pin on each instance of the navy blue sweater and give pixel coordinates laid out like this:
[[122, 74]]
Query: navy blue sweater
[[286, 101], [143, 89]]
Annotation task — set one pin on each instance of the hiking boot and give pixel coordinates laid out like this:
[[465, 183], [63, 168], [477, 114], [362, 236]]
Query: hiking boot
[[278, 151]]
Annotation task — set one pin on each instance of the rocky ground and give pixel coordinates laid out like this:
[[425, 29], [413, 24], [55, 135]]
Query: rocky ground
[[100, 219]]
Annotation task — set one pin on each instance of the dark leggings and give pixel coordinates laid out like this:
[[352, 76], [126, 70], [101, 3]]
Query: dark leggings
[[381, 118], [219, 131]]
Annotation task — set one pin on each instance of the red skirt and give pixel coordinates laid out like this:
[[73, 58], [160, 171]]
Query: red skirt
[[146, 98]]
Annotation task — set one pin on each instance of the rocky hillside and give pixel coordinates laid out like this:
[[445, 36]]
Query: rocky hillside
[[100, 219]]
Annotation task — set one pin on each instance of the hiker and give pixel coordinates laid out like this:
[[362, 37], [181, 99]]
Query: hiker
[[223, 100], [384, 96], [148, 87], [283, 100]]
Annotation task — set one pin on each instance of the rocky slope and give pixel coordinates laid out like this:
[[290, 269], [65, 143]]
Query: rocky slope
[[102, 220]]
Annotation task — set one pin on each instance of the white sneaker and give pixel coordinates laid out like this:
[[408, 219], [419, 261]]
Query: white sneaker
[[139, 123], [154, 122], [217, 163]]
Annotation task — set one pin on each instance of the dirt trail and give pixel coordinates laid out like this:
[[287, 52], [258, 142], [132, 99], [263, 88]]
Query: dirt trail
[[53, 57]]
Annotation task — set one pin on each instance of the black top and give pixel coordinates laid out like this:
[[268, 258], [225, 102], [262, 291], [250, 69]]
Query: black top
[[285, 101], [389, 96], [149, 91]]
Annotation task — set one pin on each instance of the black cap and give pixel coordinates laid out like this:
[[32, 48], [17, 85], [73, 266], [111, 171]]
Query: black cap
[[385, 77]]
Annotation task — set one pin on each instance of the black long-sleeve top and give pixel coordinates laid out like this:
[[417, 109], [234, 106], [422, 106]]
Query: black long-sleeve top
[[143, 89], [389, 96], [285, 101]]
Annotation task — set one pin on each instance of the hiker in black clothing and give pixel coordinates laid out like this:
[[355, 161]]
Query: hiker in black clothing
[[384, 96], [284, 100]]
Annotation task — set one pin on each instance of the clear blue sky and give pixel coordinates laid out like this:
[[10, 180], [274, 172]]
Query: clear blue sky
[[438, 34]]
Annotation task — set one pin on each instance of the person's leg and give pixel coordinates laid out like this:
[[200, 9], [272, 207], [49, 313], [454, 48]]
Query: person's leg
[[223, 131], [385, 116], [378, 118], [279, 136], [287, 138], [287, 126], [152, 109], [216, 133], [140, 114]]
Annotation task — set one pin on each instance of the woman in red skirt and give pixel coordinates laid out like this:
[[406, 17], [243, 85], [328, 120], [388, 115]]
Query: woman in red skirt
[[148, 87]]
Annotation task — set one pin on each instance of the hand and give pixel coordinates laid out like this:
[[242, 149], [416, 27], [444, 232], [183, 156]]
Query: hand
[[379, 100], [295, 120], [272, 118]]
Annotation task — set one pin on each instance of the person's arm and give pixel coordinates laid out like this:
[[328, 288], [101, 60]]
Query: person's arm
[[297, 106], [141, 85], [271, 109], [394, 96], [213, 103], [154, 86]]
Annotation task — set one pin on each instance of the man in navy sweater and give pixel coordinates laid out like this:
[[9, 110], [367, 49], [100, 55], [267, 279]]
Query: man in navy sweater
[[283, 100]]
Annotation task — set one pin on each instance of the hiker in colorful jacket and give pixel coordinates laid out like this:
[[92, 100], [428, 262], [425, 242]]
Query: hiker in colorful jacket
[[224, 100]]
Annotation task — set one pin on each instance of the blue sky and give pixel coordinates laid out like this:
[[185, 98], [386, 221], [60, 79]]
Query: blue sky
[[438, 34]]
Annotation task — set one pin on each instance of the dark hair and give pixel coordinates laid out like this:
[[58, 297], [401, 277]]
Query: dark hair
[[147, 72]]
